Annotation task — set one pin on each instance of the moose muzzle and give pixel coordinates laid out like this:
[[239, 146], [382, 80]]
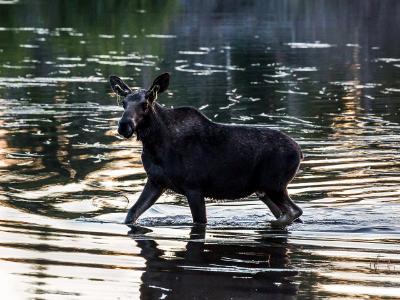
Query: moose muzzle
[[125, 128]]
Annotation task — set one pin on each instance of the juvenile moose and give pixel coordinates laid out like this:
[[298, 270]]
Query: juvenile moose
[[187, 153]]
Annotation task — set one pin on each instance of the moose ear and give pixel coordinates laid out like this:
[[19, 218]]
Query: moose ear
[[159, 85], [118, 86], [162, 81]]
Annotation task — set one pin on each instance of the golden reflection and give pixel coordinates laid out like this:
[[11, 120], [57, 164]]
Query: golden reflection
[[361, 290], [5, 161], [63, 143], [121, 163], [346, 121], [13, 156], [358, 276], [358, 273], [357, 154]]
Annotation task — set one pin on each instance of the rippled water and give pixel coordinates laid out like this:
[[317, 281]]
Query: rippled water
[[325, 72]]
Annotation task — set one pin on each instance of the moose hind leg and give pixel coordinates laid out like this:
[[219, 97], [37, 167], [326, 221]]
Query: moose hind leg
[[290, 211], [275, 210]]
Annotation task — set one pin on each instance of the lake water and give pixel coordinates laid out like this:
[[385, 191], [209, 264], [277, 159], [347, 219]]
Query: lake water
[[325, 72]]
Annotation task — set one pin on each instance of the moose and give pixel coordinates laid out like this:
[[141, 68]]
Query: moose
[[191, 155]]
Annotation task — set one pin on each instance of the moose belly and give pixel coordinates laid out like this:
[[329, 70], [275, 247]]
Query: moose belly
[[228, 192], [217, 185], [218, 176], [216, 190]]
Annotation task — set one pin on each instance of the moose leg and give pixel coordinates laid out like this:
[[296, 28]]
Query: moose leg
[[149, 195], [290, 211], [271, 205], [276, 211], [197, 207]]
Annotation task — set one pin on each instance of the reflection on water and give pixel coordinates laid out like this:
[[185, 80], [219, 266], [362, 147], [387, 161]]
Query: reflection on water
[[325, 72], [216, 270]]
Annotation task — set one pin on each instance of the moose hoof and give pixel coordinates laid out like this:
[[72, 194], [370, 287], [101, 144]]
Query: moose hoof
[[286, 219], [282, 222]]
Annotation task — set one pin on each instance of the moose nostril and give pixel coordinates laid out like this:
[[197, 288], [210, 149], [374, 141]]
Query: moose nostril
[[125, 128]]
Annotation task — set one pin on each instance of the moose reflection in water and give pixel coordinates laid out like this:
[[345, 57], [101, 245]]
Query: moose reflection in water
[[258, 270]]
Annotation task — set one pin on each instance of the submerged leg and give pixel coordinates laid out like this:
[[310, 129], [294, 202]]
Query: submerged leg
[[195, 246], [149, 195], [290, 211], [197, 207]]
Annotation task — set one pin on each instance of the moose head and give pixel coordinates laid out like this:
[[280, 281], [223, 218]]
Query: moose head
[[137, 104]]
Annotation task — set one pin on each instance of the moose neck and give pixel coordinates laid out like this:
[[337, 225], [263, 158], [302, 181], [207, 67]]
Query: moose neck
[[151, 134]]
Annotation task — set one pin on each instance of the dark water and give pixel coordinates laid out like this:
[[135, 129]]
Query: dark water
[[325, 72]]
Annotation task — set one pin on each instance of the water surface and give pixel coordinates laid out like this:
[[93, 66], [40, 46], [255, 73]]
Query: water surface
[[325, 72]]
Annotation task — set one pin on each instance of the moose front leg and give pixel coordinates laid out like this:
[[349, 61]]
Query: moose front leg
[[149, 195], [197, 207]]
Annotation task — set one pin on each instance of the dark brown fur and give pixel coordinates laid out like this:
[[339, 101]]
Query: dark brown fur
[[185, 152]]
